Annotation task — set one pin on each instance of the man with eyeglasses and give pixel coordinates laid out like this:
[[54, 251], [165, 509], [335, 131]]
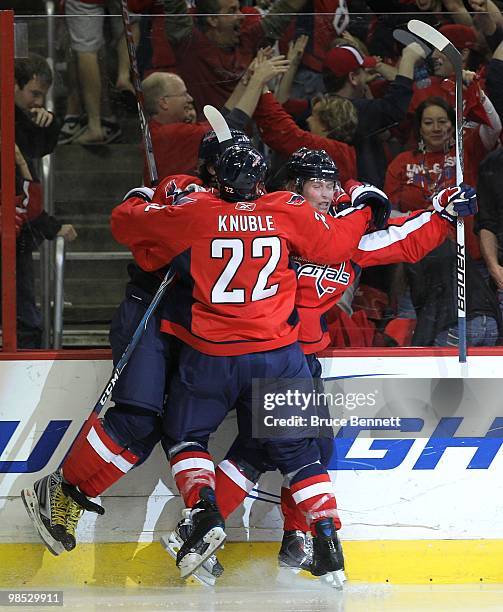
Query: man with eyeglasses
[[175, 141]]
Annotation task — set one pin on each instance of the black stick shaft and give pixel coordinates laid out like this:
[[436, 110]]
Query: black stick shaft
[[145, 130]]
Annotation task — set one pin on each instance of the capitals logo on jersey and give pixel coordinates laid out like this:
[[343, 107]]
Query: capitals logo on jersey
[[325, 277], [296, 199]]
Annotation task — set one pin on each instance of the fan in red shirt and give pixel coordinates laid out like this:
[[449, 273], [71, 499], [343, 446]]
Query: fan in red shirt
[[175, 142], [319, 288], [279, 131], [212, 49], [414, 177], [464, 38]]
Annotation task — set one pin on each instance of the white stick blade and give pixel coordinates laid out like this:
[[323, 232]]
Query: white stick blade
[[218, 123], [429, 34]]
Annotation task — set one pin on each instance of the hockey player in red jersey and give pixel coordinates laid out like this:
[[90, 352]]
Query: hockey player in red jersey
[[128, 432], [234, 308], [314, 175]]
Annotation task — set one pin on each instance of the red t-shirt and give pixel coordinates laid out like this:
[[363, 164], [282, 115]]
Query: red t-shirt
[[211, 72], [280, 132], [236, 289], [176, 147], [413, 178]]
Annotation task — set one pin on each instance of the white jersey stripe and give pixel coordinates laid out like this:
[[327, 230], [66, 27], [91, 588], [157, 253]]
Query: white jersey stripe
[[195, 463], [312, 490], [393, 233], [230, 470]]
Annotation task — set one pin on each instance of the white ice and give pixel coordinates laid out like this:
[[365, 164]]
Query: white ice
[[268, 597]]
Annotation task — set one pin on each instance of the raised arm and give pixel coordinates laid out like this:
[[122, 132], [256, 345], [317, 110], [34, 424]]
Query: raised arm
[[409, 239], [280, 132], [178, 23]]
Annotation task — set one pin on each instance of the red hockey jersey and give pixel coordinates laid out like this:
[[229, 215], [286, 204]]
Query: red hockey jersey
[[406, 239], [236, 289]]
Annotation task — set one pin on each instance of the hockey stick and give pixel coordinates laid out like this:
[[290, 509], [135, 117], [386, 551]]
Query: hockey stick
[[406, 38], [219, 126], [147, 139], [168, 279], [123, 361], [444, 45]]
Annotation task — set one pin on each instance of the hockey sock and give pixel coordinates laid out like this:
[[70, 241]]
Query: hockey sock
[[294, 519], [192, 470], [96, 461], [232, 486], [313, 494], [109, 474]]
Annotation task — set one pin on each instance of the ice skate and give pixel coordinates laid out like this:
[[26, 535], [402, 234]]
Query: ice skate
[[206, 536], [210, 570], [295, 557], [328, 560], [47, 505], [296, 552]]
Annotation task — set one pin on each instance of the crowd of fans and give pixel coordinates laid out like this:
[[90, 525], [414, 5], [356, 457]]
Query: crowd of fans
[[333, 77]]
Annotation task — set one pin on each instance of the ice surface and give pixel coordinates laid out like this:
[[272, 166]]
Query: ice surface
[[268, 597]]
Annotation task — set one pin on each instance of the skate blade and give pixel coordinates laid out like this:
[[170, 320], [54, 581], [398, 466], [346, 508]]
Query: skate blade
[[172, 545], [294, 575], [335, 580], [192, 561], [31, 504]]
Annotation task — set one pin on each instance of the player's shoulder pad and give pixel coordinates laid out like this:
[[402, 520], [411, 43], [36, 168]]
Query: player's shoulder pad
[[284, 197], [173, 184]]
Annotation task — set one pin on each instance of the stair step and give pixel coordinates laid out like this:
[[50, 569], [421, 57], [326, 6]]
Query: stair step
[[87, 209], [88, 183], [124, 256], [81, 337], [90, 314], [98, 160], [87, 291], [94, 237], [87, 270], [79, 186]]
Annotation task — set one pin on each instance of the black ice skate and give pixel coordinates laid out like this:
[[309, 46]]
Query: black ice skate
[[296, 552], [210, 570], [206, 536], [328, 560], [46, 505]]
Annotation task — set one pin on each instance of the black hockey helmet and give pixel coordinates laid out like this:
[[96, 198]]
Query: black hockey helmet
[[209, 152], [307, 164], [241, 172], [209, 149]]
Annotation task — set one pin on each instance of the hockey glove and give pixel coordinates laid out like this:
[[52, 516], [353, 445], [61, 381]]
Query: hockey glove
[[145, 193], [456, 201], [363, 194]]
